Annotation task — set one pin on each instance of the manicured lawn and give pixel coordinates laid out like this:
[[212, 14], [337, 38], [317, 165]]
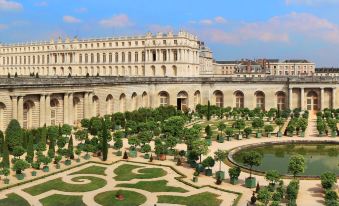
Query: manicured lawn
[[130, 198], [153, 186], [58, 184], [124, 173], [13, 200], [62, 200], [201, 199], [97, 170]]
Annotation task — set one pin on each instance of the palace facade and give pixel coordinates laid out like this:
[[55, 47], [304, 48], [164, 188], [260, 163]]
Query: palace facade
[[84, 78]]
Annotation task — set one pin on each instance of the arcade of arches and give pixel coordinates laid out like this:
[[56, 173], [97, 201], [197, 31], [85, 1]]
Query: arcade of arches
[[54, 107]]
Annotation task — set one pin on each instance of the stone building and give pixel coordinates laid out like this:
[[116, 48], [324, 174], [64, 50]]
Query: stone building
[[147, 71]]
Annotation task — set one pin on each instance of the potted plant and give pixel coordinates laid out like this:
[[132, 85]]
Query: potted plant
[[248, 132], [19, 167], [220, 155], [251, 158], [234, 173], [208, 137], [280, 122], [6, 172], [118, 144], [57, 160], [146, 149], [34, 173], [272, 176], [161, 150], [195, 176], [268, 130], [208, 162], [290, 130], [221, 127], [258, 123], [134, 142], [239, 125], [78, 153], [229, 133], [46, 160]]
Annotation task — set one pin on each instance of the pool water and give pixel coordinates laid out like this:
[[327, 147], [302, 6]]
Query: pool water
[[319, 158]]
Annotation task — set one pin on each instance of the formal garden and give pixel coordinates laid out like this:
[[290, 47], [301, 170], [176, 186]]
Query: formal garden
[[182, 139]]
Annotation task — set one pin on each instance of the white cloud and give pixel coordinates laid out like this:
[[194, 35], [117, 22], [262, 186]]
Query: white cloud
[[3, 26], [81, 10], [209, 22], [71, 19], [206, 22], [41, 4], [10, 5], [120, 20], [220, 20], [279, 29], [311, 2]]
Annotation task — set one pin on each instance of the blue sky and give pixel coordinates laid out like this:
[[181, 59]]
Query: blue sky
[[302, 29]]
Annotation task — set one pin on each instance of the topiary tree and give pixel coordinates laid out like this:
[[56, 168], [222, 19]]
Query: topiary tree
[[200, 147], [272, 176], [145, 137], [2, 140], [14, 134], [18, 151], [208, 111], [248, 131], [146, 148], [20, 165], [234, 173], [209, 162], [239, 125], [268, 129], [70, 148], [5, 155], [328, 179], [30, 149], [296, 164], [252, 158], [118, 144], [104, 147], [280, 122], [257, 123], [331, 198], [264, 196], [220, 155], [221, 127], [134, 142], [229, 133]]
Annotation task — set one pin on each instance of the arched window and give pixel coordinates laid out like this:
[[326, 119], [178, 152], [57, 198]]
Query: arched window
[[104, 58], [122, 103], [116, 57], [239, 99], [312, 101], [96, 106], [110, 58], [164, 98], [86, 58], [2, 116], [98, 58], [54, 111], [219, 98], [109, 104], [27, 114], [134, 101], [163, 70], [175, 71], [260, 100], [129, 57], [92, 58], [78, 112], [281, 100], [123, 57], [136, 57], [80, 58], [153, 70], [144, 99], [197, 98]]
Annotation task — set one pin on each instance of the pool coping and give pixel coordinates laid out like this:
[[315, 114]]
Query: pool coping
[[232, 162]]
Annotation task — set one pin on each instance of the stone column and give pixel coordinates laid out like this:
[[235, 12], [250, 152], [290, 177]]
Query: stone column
[[334, 96], [66, 109], [21, 110], [302, 98], [70, 109], [90, 105], [86, 105], [290, 93], [322, 98], [48, 110], [42, 110], [14, 107]]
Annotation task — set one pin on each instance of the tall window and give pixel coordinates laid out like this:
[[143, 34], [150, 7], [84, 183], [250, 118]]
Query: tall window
[[164, 55], [104, 58], [98, 57], [219, 99], [116, 57], [260, 100], [54, 106], [86, 58], [136, 57], [129, 57], [164, 98], [80, 58], [239, 99], [281, 99], [123, 57], [143, 56], [92, 58], [110, 58], [175, 55]]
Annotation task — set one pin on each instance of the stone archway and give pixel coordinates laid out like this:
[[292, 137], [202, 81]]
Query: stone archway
[[312, 101], [182, 100], [28, 114]]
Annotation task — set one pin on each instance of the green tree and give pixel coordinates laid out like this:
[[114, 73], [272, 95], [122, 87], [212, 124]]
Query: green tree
[[81, 135], [145, 137], [18, 151], [134, 142], [268, 129], [51, 147], [272, 176], [30, 149], [208, 162], [220, 155], [252, 158], [118, 144], [229, 132], [66, 129], [296, 164], [248, 131], [208, 110], [328, 179], [96, 125], [70, 148], [257, 123], [20, 165], [5, 155], [221, 127], [145, 148], [239, 125], [331, 198], [280, 122], [200, 147], [264, 196], [208, 131], [104, 147], [174, 126], [14, 134], [2, 140]]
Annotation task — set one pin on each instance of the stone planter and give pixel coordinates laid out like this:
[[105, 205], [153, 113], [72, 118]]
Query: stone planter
[[6, 181], [57, 166], [234, 181], [146, 156], [239, 136], [119, 153], [68, 162], [20, 176], [34, 173], [269, 135], [199, 168], [209, 142], [220, 174], [250, 182], [45, 169], [162, 157], [221, 139], [258, 135], [133, 153], [302, 134], [195, 179], [208, 172], [228, 138], [193, 164], [279, 134]]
